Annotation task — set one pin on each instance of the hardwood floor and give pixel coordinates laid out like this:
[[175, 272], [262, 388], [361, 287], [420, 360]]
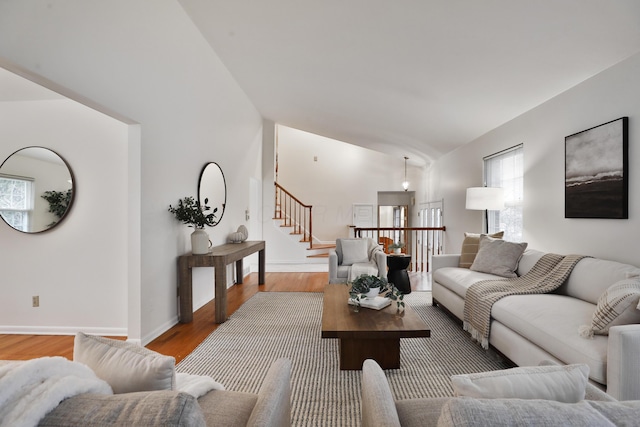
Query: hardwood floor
[[181, 339]]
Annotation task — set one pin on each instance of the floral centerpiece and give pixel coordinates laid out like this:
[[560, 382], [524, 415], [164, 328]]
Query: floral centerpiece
[[195, 215], [364, 283]]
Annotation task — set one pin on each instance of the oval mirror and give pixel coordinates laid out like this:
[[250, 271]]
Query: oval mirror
[[213, 187], [36, 189]]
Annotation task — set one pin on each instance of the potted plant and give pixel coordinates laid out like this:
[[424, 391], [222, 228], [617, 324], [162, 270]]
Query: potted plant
[[370, 286], [58, 203], [396, 248], [191, 213]]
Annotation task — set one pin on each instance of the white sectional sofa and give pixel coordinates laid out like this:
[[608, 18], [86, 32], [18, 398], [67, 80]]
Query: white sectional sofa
[[528, 329]]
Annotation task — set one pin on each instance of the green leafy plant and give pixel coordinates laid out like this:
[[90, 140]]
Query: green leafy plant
[[58, 203], [191, 213], [365, 282], [398, 245]]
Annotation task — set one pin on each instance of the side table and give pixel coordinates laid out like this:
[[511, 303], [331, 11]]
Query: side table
[[218, 257], [397, 273]]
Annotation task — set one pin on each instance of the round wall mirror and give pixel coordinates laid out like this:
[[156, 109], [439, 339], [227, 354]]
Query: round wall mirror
[[213, 187], [36, 189]]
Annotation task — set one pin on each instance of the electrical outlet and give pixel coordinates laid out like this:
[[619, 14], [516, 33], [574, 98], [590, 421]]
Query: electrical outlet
[[36, 301]]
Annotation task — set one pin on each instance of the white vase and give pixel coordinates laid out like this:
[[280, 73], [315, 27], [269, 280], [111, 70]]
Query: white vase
[[373, 292], [397, 251], [200, 243]]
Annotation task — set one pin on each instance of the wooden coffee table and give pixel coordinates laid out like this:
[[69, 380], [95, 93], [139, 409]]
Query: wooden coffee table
[[367, 334]]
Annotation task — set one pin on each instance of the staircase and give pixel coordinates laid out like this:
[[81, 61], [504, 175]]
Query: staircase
[[297, 216]]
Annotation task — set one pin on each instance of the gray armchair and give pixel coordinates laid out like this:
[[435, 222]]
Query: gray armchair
[[354, 257], [270, 407], [379, 408]]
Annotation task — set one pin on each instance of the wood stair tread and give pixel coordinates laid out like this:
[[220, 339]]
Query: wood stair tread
[[318, 256], [323, 246]]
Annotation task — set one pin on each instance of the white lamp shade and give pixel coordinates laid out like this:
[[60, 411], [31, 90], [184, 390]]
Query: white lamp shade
[[485, 198]]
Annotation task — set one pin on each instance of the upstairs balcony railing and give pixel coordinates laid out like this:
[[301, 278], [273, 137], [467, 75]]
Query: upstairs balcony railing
[[419, 242], [294, 213]]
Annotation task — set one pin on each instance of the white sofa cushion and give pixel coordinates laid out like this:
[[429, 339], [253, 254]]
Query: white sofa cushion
[[562, 383], [591, 277], [499, 257], [551, 322], [125, 366], [343, 271], [528, 260], [458, 280]]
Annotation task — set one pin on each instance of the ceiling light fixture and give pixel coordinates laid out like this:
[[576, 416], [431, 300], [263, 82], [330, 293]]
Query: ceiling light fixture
[[405, 183]]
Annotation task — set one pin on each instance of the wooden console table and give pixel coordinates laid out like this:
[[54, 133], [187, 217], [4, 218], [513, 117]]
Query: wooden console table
[[218, 258]]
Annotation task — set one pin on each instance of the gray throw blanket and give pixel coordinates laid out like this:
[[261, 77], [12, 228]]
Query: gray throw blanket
[[545, 276]]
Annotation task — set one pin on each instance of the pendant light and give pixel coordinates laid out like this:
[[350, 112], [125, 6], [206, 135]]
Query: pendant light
[[405, 183]]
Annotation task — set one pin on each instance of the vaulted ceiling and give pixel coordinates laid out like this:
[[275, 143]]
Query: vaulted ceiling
[[412, 77], [16, 88]]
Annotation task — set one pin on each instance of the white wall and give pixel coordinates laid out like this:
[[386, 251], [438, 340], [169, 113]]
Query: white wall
[[146, 62], [607, 96], [83, 258], [343, 174]]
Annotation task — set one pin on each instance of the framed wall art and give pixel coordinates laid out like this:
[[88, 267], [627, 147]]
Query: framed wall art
[[596, 172]]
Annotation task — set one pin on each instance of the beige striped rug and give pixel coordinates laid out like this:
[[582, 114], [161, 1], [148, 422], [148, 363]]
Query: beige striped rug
[[287, 324]]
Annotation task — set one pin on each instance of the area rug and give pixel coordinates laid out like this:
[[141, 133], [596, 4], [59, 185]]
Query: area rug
[[271, 325]]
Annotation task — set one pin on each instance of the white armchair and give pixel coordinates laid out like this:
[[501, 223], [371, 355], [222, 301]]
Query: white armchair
[[354, 257]]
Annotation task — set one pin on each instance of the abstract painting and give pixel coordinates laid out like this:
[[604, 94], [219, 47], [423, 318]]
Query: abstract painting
[[596, 172]]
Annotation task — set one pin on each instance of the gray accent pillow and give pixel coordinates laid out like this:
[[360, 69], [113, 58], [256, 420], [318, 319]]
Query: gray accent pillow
[[158, 408], [354, 251], [470, 247], [499, 257]]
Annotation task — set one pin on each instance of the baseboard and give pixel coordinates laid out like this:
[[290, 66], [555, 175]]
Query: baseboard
[[159, 331], [62, 330], [277, 267]]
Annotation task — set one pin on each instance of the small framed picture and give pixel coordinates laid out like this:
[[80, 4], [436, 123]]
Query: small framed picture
[[596, 172]]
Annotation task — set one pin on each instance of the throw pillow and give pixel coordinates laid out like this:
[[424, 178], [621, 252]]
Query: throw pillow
[[560, 383], [498, 257], [125, 366], [464, 411], [470, 247], [354, 250], [618, 305], [162, 408]]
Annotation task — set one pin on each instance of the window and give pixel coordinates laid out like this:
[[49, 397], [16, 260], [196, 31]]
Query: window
[[16, 201], [505, 170]]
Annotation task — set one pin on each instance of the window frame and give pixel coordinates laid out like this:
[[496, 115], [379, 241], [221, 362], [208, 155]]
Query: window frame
[[511, 218], [29, 204]]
